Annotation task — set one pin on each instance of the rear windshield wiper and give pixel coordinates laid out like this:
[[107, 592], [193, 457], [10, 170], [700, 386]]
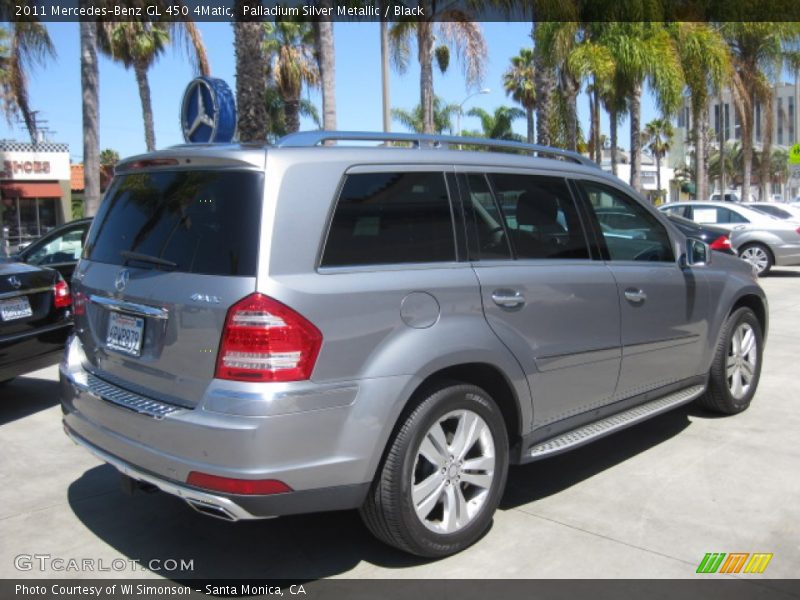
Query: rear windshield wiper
[[154, 260]]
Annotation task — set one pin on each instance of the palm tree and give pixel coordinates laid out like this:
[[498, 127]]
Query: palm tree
[[498, 125], [251, 75], [326, 65], [276, 111], [292, 65], [657, 137], [644, 53], [518, 81], [90, 83], [760, 51], [23, 44], [453, 28], [414, 120], [109, 157], [138, 45], [706, 64]]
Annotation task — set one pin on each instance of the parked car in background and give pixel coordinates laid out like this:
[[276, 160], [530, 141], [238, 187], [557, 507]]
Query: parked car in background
[[35, 318], [59, 249], [760, 239], [785, 212], [717, 238], [299, 327]]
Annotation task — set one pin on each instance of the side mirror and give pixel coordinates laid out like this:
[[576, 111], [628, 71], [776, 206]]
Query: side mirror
[[697, 254]]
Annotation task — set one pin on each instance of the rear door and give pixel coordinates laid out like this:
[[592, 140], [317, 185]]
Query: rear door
[[168, 253], [664, 306], [543, 295]]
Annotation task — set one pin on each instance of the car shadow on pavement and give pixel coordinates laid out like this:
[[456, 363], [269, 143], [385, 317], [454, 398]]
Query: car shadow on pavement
[[24, 396], [543, 478], [156, 526], [777, 274]]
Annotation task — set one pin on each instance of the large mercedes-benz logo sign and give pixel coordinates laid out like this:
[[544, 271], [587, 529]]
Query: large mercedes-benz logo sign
[[122, 279], [199, 108], [14, 282]]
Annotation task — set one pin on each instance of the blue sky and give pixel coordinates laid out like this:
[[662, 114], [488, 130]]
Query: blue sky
[[55, 88]]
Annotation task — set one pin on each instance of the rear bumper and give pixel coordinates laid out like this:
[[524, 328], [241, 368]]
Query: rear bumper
[[326, 456], [38, 349]]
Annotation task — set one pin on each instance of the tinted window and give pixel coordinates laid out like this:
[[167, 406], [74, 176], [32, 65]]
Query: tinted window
[[387, 218], [66, 247], [202, 221], [644, 238], [774, 211], [492, 240], [540, 216], [681, 211]]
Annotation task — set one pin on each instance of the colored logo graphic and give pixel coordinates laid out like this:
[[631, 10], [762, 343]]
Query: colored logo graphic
[[794, 155], [735, 562], [208, 111]]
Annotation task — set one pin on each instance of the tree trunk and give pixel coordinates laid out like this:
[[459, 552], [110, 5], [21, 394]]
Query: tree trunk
[[636, 138], [529, 118], [292, 114], [385, 95], [699, 141], [544, 83], [658, 174], [425, 52], [598, 146], [251, 77], [592, 132], [326, 60], [569, 87], [147, 106], [613, 119], [90, 84]]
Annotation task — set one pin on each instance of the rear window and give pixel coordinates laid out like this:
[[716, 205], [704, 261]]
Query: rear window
[[389, 218], [204, 222]]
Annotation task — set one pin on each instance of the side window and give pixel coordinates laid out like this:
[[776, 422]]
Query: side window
[[540, 216], [676, 210], [390, 218], [492, 241], [726, 215], [64, 248], [644, 238]]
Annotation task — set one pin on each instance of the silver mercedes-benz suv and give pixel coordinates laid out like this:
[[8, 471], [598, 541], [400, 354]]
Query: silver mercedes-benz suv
[[319, 325]]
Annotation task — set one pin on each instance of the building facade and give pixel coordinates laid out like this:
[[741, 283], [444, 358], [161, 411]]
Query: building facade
[[34, 190]]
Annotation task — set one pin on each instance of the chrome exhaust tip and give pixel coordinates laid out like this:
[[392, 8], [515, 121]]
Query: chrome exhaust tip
[[212, 510]]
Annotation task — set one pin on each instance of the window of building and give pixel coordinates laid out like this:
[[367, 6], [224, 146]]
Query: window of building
[[391, 218], [26, 219]]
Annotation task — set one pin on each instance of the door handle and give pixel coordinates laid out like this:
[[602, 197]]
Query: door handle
[[634, 295], [508, 298]]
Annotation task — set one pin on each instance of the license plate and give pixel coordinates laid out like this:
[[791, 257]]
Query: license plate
[[15, 308], [125, 334]]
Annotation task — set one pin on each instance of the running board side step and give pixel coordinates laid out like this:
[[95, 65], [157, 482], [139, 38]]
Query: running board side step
[[593, 431]]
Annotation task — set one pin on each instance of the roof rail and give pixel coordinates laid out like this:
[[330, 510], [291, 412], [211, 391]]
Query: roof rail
[[306, 139]]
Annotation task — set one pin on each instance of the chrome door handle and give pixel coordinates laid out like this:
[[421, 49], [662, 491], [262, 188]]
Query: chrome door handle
[[508, 298], [634, 295]]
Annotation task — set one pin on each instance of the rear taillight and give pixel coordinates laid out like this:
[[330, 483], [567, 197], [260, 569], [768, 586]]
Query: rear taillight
[[723, 242], [237, 486], [61, 296], [797, 231], [79, 303], [265, 340]]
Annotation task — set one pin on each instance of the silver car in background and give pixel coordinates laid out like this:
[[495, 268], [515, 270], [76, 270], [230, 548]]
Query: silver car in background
[[762, 240], [270, 330]]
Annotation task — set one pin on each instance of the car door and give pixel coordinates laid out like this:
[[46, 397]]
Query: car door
[[59, 250], [543, 295], [664, 306]]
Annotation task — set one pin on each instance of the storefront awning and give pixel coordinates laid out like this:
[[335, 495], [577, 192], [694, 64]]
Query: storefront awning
[[13, 189]]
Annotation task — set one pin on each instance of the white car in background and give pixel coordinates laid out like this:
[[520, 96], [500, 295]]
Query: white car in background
[[785, 212], [760, 239]]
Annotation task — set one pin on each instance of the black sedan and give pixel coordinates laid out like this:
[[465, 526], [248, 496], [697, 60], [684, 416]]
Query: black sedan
[[716, 237], [35, 318]]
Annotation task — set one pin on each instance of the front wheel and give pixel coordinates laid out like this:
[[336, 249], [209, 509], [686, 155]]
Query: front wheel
[[736, 369], [443, 474], [757, 255]]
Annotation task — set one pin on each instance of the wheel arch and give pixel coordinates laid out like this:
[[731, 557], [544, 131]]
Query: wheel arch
[[758, 306]]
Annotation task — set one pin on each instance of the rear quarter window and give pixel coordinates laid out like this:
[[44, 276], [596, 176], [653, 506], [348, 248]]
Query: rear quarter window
[[391, 218], [205, 222]]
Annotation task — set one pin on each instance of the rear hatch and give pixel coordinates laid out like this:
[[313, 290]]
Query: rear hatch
[[26, 299], [169, 251]]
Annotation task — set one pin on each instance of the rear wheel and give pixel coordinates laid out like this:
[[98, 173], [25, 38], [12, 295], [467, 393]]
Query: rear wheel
[[443, 474], [736, 369], [757, 255]]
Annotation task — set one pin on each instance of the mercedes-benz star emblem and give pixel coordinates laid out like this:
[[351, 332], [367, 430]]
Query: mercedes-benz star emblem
[[122, 279], [205, 114], [14, 282]]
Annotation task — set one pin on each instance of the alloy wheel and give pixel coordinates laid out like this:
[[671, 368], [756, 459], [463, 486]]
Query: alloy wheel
[[741, 362], [757, 257]]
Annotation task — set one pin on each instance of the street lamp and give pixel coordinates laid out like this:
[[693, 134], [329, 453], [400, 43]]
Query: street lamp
[[461, 107]]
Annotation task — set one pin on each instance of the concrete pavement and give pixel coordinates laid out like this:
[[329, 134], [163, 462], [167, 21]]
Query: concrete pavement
[[646, 502]]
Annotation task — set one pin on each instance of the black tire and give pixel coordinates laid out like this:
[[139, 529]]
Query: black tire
[[389, 511], [756, 247], [718, 396]]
